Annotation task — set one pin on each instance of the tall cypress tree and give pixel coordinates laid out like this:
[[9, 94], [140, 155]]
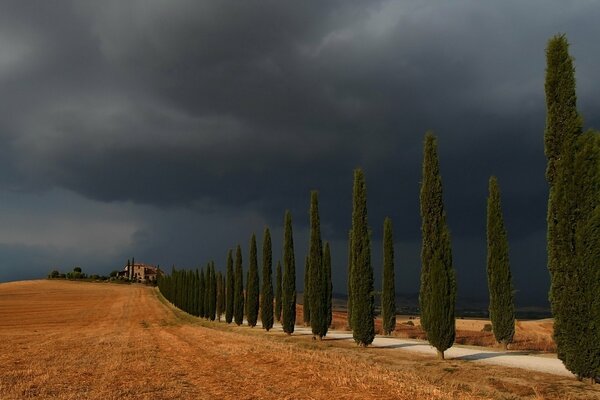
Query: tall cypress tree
[[266, 298], [437, 297], [563, 126], [349, 304], [388, 291], [278, 290], [220, 295], [289, 277], [238, 292], [201, 294], [207, 295], [317, 277], [229, 289], [306, 293], [213, 292], [252, 286], [584, 358], [574, 197], [363, 325], [328, 282], [502, 309]]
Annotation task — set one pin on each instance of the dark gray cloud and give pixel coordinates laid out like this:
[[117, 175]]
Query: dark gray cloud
[[203, 121]]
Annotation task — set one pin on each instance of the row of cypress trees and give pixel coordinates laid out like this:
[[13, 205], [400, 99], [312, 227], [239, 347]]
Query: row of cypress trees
[[438, 283], [211, 294], [197, 292], [573, 174]]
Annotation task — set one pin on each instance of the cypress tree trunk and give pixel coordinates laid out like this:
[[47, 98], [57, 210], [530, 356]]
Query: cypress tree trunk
[[502, 310], [266, 299], [229, 289], [289, 277], [238, 293], [363, 325], [317, 277], [278, 290], [252, 288], [201, 294], [573, 175], [328, 282], [437, 297], [306, 293], [349, 278], [388, 294]]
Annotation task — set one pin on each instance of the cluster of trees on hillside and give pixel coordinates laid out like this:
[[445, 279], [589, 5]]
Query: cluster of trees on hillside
[[77, 273], [573, 174]]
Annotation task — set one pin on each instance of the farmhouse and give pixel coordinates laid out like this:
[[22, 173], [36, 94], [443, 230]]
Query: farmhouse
[[140, 272]]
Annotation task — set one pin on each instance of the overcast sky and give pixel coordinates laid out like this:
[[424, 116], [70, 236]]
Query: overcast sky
[[173, 130]]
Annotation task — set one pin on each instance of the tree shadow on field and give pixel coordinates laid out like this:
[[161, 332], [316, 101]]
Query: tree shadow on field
[[396, 346], [483, 356]]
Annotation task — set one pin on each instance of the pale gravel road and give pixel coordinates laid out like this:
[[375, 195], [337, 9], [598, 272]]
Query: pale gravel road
[[514, 359]]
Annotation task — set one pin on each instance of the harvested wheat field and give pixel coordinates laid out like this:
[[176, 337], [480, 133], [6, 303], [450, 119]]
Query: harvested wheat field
[[70, 340]]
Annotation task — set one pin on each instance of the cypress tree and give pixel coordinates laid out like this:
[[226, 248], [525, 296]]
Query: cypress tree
[[238, 293], [229, 289], [278, 290], [197, 293], [306, 293], [201, 294], [266, 298], [220, 296], [584, 355], [213, 300], [289, 277], [349, 304], [207, 294], [574, 196], [388, 292], [363, 324], [317, 276], [502, 309], [328, 282], [252, 288], [437, 296]]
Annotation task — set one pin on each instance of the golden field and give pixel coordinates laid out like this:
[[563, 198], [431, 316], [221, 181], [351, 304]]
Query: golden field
[[79, 340]]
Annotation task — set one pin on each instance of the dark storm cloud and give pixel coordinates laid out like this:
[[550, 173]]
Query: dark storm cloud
[[235, 108]]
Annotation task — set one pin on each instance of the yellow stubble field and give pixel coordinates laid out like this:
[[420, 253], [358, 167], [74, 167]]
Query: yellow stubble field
[[80, 340]]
